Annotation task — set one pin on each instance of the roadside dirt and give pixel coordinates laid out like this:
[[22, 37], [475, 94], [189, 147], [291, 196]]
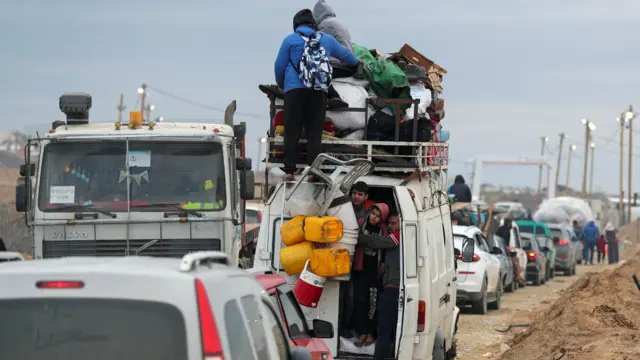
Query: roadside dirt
[[477, 338]]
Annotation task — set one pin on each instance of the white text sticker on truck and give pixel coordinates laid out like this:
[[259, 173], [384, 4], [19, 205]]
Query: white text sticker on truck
[[140, 158], [62, 194]]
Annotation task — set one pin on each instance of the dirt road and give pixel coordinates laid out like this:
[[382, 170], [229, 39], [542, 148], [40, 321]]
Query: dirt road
[[476, 336]]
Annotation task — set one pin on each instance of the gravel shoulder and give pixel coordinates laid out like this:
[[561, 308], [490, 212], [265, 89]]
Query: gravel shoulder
[[476, 337]]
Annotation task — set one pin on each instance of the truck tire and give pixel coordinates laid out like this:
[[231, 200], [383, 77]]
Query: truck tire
[[481, 306]]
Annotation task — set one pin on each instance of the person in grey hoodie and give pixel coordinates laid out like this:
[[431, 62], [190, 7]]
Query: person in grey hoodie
[[327, 23]]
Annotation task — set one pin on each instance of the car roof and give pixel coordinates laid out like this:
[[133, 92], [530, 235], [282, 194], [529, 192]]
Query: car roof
[[10, 255], [467, 231], [531, 222]]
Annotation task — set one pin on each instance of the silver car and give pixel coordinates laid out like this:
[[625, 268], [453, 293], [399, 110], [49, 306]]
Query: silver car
[[133, 307], [568, 248]]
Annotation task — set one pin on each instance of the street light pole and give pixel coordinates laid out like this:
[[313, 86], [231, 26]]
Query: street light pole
[[557, 183], [544, 140], [572, 148], [593, 148], [621, 120], [629, 116], [589, 127]]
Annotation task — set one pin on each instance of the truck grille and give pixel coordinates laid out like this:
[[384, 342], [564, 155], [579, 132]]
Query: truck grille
[[163, 248]]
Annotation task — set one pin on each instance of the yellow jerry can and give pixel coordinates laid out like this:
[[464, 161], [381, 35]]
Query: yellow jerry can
[[330, 262], [292, 232], [326, 229], [293, 258]]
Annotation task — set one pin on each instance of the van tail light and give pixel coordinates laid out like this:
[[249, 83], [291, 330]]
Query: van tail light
[[476, 257], [532, 256], [422, 315], [211, 345], [563, 242], [60, 284]]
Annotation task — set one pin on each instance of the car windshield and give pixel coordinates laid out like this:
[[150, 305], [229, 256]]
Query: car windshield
[[557, 233], [162, 174], [526, 243], [97, 329]]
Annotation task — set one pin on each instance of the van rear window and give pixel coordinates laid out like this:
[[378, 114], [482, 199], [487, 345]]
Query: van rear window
[[96, 329]]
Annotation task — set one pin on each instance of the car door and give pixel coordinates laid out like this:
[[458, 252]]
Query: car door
[[515, 243], [492, 262]]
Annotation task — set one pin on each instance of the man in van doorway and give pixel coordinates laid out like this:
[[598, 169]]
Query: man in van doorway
[[359, 199], [387, 307]]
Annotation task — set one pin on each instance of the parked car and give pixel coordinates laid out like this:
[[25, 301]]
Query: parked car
[[6, 256], [139, 307], [253, 213], [543, 235], [579, 245], [506, 265], [282, 297], [515, 246], [566, 247], [537, 263], [479, 282]]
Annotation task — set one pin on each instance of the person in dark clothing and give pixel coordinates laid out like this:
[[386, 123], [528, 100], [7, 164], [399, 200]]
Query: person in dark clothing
[[359, 199], [2, 246], [504, 231], [611, 238], [304, 106], [601, 248], [387, 307], [460, 190]]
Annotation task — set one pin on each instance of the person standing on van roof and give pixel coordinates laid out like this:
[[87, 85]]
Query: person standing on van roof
[[302, 69], [387, 306], [461, 190]]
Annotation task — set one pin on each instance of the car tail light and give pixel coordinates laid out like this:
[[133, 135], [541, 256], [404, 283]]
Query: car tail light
[[211, 346], [60, 284], [422, 315], [476, 257], [563, 242], [532, 256]]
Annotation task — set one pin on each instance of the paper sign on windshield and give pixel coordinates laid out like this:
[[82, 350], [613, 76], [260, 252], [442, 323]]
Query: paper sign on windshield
[[62, 194], [140, 158]]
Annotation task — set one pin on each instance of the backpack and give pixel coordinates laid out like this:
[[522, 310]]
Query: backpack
[[314, 68]]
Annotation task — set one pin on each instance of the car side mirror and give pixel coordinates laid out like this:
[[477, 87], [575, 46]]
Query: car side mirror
[[468, 250], [496, 251], [22, 195], [322, 329], [27, 170], [247, 185], [300, 353]]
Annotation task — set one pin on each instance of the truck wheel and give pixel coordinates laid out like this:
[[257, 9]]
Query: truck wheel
[[480, 307], [453, 352]]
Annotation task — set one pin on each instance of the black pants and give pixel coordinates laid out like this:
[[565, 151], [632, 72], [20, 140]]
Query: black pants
[[363, 282], [303, 107], [387, 322], [600, 256]]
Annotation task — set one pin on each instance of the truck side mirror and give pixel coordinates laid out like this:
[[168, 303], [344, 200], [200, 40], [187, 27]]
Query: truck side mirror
[[247, 185], [27, 170], [243, 164], [468, 250], [22, 195]]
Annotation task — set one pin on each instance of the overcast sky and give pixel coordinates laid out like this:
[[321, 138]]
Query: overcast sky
[[518, 70]]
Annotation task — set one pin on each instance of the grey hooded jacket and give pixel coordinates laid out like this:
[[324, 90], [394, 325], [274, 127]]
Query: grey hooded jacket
[[327, 23]]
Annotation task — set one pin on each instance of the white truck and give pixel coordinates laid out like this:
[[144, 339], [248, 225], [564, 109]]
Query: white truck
[[414, 183], [113, 189]]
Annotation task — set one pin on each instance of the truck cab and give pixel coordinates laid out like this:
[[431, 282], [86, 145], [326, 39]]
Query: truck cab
[[415, 186], [113, 189]]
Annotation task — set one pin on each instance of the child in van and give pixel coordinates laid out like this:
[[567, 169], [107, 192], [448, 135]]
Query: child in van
[[366, 265]]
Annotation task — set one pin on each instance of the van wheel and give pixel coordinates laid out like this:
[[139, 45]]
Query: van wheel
[[511, 287], [538, 280], [453, 352], [568, 271], [496, 304], [480, 307], [552, 272]]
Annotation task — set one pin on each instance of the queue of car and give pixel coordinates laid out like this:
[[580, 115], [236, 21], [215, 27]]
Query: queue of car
[[539, 250]]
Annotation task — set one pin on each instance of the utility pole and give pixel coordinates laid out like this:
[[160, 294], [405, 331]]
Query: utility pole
[[621, 121], [121, 108], [543, 140], [593, 148], [557, 183], [572, 148], [629, 116], [143, 95], [589, 127]]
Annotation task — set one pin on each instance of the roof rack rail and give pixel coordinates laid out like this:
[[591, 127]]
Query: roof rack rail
[[190, 260]]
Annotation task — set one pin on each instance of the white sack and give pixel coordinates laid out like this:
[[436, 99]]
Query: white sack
[[356, 97], [564, 210], [302, 202], [355, 136], [352, 81], [419, 92]]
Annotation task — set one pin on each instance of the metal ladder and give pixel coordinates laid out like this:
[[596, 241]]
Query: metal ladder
[[354, 169]]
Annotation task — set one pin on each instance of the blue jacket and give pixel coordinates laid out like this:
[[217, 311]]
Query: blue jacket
[[590, 233], [291, 52]]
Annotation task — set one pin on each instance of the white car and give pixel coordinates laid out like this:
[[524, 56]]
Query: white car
[[6, 256], [139, 308], [480, 281]]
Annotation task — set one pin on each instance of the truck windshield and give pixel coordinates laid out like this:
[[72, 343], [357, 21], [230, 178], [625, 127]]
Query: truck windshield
[[162, 175]]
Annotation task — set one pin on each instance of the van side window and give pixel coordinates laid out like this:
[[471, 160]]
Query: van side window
[[254, 320], [237, 336], [293, 314]]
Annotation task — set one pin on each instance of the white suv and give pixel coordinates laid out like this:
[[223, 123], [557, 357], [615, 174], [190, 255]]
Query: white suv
[[196, 308], [480, 281]]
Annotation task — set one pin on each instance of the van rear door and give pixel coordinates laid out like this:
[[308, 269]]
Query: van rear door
[[410, 288]]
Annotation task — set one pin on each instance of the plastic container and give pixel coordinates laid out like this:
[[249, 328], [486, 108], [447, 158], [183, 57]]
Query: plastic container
[[294, 257], [324, 230], [309, 287], [330, 262], [292, 232]]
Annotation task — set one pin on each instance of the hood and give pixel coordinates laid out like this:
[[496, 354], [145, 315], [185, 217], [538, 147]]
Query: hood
[[384, 210], [304, 17], [322, 11], [591, 224], [609, 227], [459, 180]]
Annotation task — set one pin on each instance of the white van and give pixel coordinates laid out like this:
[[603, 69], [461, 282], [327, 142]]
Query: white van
[[427, 315]]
